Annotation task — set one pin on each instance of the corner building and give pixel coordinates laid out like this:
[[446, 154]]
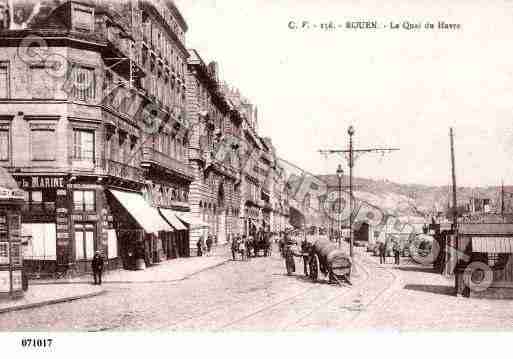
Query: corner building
[[74, 133]]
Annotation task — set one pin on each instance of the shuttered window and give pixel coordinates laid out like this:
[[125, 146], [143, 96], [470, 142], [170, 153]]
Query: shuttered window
[[4, 80], [82, 83], [42, 144], [4, 144], [84, 201]]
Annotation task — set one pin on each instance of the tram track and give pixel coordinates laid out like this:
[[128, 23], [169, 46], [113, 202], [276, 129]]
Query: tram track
[[321, 287], [222, 308]]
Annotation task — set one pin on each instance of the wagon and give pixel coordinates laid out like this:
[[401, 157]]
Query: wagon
[[326, 257]]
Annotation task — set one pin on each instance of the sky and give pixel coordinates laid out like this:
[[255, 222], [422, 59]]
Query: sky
[[398, 88]]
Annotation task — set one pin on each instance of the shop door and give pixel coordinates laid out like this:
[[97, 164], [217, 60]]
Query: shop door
[[84, 245]]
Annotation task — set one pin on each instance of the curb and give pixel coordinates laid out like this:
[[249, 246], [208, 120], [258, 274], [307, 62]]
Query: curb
[[134, 281], [50, 302]]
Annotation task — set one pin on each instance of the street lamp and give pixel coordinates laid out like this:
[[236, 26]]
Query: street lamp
[[350, 132], [340, 174]]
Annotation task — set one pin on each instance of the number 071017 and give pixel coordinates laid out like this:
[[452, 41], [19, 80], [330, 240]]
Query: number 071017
[[36, 343]]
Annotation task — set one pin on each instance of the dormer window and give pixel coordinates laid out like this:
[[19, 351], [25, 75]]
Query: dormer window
[[82, 17]]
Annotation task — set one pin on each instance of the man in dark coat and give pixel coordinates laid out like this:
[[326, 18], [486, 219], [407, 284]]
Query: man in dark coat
[[209, 244], [382, 253], [97, 266], [200, 244]]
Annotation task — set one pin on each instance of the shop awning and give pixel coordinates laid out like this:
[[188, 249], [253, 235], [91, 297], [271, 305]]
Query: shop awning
[[173, 220], [146, 216], [194, 223], [492, 245]]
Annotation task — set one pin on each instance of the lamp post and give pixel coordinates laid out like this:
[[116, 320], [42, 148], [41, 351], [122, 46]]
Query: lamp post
[[340, 173], [350, 132]]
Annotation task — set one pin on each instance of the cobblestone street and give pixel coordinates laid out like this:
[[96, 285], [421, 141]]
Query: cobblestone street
[[258, 295]]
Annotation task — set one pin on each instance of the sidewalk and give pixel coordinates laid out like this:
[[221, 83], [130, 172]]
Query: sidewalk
[[168, 271], [38, 296], [46, 292]]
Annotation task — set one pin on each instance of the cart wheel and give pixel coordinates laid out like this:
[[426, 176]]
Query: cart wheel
[[314, 268]]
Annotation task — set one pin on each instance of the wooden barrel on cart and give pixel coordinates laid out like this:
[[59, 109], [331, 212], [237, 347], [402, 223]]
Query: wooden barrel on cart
[[330, 258]]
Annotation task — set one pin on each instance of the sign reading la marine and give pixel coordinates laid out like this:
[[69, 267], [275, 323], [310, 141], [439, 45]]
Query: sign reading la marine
[[41, 182]]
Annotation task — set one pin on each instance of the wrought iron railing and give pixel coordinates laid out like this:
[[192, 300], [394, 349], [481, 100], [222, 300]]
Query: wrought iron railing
[[149, 154], [107, 167]]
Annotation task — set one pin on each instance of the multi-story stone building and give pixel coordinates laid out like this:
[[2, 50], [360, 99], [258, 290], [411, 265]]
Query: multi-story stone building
[[215, 122], [92, 127]]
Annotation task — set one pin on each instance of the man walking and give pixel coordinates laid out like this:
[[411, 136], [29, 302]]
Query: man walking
[[199, 245], [382, 253], [209, 244], [397, 252], [97, 266]]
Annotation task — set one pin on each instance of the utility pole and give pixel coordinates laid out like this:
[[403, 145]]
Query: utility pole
[[453, 170], [351, 155]]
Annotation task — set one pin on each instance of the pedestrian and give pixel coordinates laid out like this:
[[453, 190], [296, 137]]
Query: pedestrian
[[382, 253], [209, 244], [97, 266], [397, 252], [235, 245], [200, 244]]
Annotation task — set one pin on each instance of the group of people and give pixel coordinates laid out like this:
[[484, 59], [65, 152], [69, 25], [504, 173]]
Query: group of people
[[205, 246], [245, 243], [396, 249]]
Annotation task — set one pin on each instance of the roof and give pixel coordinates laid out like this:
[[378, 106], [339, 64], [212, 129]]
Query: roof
[[485, 228]]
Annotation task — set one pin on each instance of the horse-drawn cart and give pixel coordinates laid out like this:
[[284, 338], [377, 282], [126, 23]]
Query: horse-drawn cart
[[322, 256]]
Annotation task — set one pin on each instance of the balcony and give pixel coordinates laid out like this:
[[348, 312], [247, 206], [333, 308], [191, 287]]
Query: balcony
[[107, 167], [150, 157]]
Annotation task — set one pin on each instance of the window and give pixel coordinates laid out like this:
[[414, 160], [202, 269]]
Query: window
[[4, 80], [84, 201], [84, 241], [112, 244], [83, 142], [42, 240], [4, 144], [82, 83], [42, 144], [83, 19]]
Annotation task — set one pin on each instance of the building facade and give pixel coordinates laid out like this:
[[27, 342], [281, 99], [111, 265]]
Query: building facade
[[93, 130], [214, 154]]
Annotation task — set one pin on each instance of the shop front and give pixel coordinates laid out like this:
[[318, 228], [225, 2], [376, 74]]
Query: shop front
[[176, 244], [140, 229], [11, 260]]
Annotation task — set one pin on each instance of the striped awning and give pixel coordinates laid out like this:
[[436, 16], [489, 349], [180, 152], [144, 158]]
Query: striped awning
[[492, 244]]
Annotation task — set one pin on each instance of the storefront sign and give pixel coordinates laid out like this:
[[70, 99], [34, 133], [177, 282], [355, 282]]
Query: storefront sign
[[41, 182], [91, 217], [76, 217], [62, 227], [62, 210], [62, 235], [61, 192], [6, 193], [62, 220]]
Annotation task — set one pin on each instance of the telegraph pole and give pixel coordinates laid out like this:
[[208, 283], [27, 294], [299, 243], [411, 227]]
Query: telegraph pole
[[351, 155], [453, 170]]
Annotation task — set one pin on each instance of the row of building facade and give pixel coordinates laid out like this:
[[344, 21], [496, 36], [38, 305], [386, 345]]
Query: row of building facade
[[124, 140]]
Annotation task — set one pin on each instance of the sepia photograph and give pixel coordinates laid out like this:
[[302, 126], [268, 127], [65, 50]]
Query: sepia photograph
[[252, 167]]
